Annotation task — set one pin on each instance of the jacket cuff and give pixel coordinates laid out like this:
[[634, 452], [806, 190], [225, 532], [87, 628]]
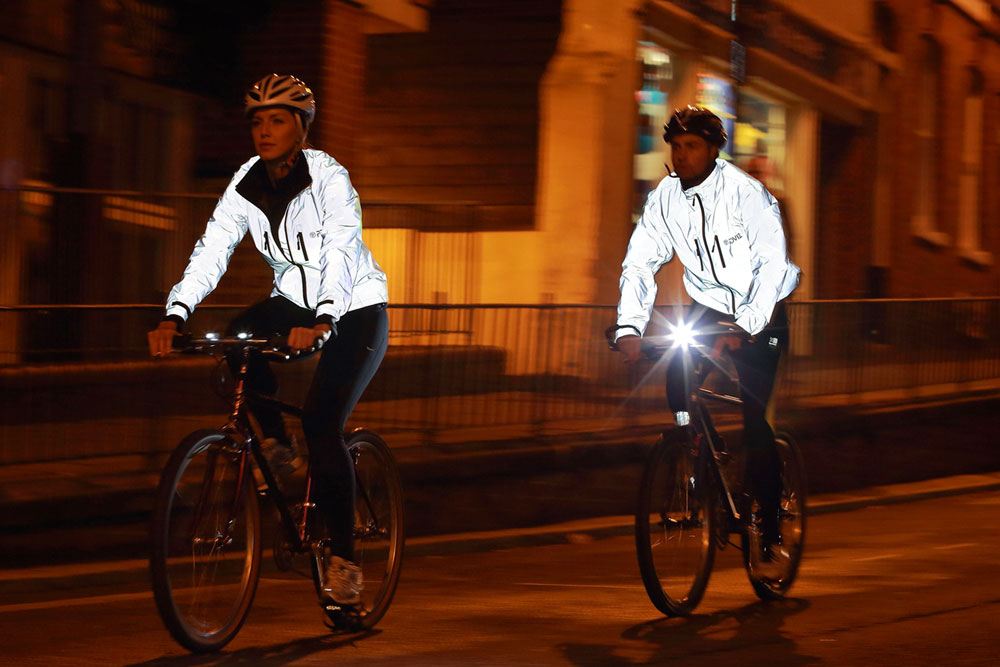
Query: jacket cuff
[[751, 322], [179, 310], [627, 330]]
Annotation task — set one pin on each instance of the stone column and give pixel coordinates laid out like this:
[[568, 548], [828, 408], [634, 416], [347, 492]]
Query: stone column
[[586, 128]]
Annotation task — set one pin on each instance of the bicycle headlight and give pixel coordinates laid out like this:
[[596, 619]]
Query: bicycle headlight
[[683, 335]]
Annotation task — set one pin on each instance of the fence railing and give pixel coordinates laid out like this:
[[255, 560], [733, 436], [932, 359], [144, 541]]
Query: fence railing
[[459, 374]]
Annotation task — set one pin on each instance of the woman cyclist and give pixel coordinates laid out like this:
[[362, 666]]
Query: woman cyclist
[[304, 216]]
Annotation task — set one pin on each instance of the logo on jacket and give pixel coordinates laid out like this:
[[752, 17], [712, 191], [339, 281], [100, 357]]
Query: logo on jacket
[[733, 239]]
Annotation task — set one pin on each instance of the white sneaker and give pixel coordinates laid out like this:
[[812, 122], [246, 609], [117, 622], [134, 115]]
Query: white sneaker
[[342, 581]]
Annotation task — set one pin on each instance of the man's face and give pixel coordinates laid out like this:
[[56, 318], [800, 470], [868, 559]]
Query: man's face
[[691, 155]]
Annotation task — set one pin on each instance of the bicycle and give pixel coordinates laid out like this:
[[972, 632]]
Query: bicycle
[[693, 496], [206, 528]]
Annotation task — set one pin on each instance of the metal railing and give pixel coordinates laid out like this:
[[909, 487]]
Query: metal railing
[[459, 374]]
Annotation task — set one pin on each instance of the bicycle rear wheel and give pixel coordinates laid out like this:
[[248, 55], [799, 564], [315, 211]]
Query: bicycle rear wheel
[[773, 576], [205, 559], [378, 531], [674, 527]]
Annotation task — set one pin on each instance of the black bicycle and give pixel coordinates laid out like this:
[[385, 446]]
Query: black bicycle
[[207, 530], [694, 498]]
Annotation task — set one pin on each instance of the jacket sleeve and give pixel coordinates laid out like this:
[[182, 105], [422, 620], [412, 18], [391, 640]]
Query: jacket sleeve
[[768, 258], [648, 250], [210, 258], [340, 250]]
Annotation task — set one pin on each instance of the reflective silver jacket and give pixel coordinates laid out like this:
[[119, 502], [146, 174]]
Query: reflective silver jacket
[[320, 262], [727, 233]]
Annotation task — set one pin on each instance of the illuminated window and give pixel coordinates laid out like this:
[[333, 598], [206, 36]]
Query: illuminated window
[[653, 97], [759, 142], [971, 173], [924, 220]]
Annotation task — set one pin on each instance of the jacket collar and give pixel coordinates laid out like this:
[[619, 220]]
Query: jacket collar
[[709, 184], [256, 187]]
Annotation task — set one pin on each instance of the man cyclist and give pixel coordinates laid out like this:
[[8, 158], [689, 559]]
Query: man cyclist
[[725, 227], [304, 216]]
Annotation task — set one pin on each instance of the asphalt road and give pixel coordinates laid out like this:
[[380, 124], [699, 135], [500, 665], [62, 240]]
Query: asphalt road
[[904, 584]]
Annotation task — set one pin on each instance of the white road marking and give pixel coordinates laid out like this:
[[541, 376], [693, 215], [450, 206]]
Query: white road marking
[[881, 557], [961, 545]]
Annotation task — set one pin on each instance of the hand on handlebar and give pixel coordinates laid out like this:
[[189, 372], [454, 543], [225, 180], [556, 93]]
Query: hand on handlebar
[[301, 339], [161, 339], [631, 347]]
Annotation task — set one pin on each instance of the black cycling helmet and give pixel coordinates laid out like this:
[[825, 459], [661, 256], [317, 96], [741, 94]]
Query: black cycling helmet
[[698, 121]]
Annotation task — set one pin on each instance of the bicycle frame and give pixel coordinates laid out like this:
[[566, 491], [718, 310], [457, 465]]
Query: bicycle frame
[[239, 426]]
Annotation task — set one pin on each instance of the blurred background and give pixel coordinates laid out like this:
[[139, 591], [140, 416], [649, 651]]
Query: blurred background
[[502, 150]]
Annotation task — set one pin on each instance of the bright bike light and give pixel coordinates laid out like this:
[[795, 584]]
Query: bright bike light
[[682, 335], [242, 335], [211, 335]]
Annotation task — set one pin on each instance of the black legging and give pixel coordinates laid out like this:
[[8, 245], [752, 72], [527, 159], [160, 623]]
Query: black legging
[[346, 365], [756, 364]]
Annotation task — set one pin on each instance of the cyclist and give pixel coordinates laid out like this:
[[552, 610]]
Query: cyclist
[[725, 227], [304, 216]]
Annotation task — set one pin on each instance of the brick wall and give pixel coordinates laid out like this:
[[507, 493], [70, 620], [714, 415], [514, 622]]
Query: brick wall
[[844, 211], [920, 268], [342, 76]]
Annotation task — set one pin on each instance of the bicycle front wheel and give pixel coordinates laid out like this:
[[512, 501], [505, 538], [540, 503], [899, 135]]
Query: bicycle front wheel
[[674, 527], [205, 559], [378, 529], [773, 574]]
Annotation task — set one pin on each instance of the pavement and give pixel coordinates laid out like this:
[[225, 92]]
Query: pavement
[[473, 495], [32, 580]]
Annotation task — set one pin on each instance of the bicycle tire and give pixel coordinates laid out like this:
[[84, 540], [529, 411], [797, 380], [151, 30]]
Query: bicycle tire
[[674, 527], [206, 541], [771, 580], [378, 532]]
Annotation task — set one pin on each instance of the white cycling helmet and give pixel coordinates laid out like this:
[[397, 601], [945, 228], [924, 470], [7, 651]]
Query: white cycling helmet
[[276, 90]]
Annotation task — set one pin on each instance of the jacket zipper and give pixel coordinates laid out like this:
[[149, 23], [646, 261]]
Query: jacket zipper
[[302, 271], [267, 245], [711, 264], [697, 249], [302, 247], [719, 248]]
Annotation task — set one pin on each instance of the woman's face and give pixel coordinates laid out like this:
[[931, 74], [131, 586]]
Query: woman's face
[[276, 134]]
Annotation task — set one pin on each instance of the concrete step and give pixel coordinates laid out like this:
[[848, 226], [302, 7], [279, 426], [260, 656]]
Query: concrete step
[[438, 217]]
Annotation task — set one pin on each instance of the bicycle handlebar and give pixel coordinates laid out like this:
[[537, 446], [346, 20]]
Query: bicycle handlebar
[[276, 346], [653, 347]]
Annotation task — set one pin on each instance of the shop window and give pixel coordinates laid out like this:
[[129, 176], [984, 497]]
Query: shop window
[[718, 95], [759, 141], [924, 220], [970, 178], [653, 98]]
